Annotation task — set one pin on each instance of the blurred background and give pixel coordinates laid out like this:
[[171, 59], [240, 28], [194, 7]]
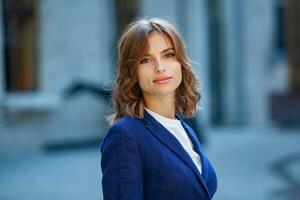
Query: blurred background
[[58, 61]]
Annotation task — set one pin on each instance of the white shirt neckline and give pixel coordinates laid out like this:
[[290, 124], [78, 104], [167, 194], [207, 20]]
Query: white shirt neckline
[[165, 120], [175, 127]]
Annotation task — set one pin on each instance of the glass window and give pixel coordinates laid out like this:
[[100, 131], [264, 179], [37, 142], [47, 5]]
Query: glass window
[[20, 44]]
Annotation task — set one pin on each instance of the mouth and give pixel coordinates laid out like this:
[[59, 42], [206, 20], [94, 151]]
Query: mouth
[[163, 79]]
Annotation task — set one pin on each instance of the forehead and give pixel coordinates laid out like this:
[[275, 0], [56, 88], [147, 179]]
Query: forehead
[[158, 42]]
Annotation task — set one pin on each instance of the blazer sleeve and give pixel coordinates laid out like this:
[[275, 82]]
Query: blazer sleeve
[[121, 166]]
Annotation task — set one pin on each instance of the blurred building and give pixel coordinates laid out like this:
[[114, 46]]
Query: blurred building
[[48, 46]]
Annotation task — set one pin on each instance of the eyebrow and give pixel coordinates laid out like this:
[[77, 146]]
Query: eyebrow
[[166, 50]]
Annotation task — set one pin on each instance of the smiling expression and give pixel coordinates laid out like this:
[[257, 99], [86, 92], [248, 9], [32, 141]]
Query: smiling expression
[[159, 71]]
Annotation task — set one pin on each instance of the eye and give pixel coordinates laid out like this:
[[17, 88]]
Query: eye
[[144, 61], [170, 55]]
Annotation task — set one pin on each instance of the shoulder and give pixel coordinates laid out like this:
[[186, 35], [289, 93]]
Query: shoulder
[[128, 124], [127, 121], [123, 125], [124, 129]]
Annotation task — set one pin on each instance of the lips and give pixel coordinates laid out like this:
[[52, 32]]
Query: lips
[[163, 78]]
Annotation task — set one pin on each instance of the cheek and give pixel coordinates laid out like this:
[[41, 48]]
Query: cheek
[[179, 72], [143, 78]]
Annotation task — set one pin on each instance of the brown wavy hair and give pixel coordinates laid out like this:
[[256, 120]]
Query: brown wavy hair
[[127, 95]]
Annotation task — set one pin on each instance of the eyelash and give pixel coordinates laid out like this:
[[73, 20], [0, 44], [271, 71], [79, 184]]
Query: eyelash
[[144, 61], [168, 55]]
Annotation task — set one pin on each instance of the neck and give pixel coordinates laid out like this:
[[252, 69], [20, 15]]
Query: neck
[[164, 106]]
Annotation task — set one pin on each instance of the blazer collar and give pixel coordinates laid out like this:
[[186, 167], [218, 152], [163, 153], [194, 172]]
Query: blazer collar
[[149, 120], [197, 147], [160, 132]]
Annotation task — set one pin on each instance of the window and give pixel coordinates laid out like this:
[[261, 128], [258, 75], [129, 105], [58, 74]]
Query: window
[[293, 43], [280, 50], [20, 44], [216, 68], [127, 11]]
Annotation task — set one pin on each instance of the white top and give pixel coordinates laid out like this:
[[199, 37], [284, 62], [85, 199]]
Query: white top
[[175, 127]]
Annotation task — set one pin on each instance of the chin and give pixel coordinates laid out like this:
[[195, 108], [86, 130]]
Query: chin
[[165, 92]]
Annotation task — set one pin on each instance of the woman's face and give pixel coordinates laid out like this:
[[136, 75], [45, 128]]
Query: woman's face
[[159, 71]]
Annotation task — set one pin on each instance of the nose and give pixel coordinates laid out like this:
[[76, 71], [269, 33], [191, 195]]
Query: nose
[[160, 67]]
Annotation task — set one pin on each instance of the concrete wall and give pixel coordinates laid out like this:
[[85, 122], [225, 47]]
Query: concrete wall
[[233, 54], [198, 51], [75, 42], [258, 45], [159, 8], [247, 57]]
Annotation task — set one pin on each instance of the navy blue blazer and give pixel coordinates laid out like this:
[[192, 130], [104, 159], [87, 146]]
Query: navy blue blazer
[[141, 159]]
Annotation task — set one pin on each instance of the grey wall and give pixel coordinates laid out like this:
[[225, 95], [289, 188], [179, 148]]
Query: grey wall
[[247, 55], [258, 45], [232, 27], [75, 42], [159, 8], [198, 51]]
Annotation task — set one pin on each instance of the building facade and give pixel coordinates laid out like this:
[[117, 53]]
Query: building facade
[[49, 46]]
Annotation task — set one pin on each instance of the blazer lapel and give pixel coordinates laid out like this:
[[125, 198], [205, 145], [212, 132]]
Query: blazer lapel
[[160, 132], [197, 148]]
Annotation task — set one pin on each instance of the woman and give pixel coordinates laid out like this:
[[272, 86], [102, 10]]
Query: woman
[[149, 152]]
